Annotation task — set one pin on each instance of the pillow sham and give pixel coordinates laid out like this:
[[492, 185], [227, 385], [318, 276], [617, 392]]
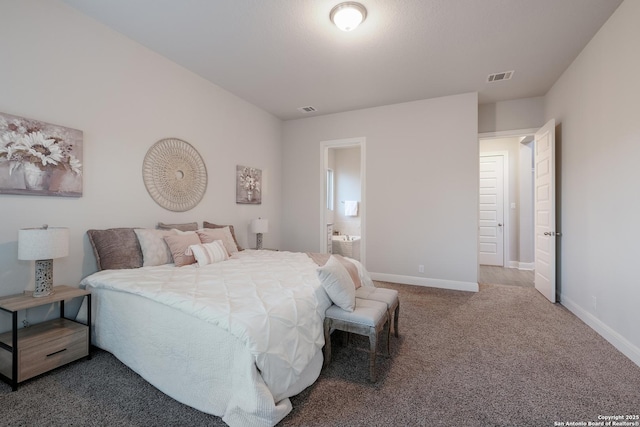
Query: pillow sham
[[337, 283], [208, 235], [208, 253], [351, 268], [178, 245], [155, 250], [187, 226], [206, 224], [115, 248]]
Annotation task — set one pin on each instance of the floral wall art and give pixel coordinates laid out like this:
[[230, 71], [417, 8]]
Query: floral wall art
[[38, 158], [248, 185]]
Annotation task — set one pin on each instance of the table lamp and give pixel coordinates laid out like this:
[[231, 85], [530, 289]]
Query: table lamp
[[259, 226], [43, 245]]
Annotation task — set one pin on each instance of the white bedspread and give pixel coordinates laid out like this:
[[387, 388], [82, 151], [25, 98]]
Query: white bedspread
[[270, 301]]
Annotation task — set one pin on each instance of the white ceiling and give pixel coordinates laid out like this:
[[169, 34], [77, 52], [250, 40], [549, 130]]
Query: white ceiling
[[285, 54]]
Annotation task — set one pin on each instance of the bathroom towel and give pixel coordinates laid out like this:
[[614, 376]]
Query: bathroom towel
[[351, 208]]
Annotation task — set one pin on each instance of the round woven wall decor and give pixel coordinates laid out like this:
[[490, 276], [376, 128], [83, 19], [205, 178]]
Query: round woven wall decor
[[174, 174]]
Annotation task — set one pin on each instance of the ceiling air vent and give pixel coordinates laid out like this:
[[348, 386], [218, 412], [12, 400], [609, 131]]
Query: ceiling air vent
[[307, 109], [505, 75]]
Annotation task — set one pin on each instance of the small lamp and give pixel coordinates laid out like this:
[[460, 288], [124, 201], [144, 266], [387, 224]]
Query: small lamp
[[43, 245], [259, 226]]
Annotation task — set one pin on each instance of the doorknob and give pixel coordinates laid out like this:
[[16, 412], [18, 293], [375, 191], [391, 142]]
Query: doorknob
[[499, 225]]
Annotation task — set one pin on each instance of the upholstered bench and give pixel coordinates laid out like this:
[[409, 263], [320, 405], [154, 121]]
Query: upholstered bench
[[368, 318], [387, 296]]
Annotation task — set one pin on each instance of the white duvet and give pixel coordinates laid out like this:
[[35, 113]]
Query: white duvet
[[271, 302]]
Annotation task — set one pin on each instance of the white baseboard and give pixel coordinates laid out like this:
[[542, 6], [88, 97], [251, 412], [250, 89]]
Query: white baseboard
[[617, 340], [522, 265], [425, 281]]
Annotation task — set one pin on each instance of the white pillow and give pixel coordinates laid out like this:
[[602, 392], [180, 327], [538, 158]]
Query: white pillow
[[155, 250], [208, 253], [338, 284], [208, 235]]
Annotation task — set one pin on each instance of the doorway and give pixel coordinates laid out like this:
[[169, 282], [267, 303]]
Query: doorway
[[343, 204], [506, 229]]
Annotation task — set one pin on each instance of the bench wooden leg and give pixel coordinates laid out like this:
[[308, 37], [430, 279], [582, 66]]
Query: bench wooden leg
[[373, 345], [387, 330], [395, 320], [327, 342]]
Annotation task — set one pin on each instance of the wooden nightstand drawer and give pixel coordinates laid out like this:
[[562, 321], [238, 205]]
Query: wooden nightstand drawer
[[46, 346]]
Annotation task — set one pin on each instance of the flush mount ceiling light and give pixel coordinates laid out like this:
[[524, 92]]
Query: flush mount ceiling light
[[347, 16]]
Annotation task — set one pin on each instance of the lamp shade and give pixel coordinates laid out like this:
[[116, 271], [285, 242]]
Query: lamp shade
[[260, 225], [43, 243]]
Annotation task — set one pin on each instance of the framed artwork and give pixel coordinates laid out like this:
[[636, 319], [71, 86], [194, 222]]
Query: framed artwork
[[248, 185], [38, 158]]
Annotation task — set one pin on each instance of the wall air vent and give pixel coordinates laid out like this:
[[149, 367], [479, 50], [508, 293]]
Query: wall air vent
[[307, 109], [505, 75]]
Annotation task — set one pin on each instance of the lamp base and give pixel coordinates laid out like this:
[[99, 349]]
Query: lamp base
[[44, 278], [258, 240]]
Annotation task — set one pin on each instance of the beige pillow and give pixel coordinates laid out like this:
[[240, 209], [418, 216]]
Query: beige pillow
[[206, 224], [337, 283], [352, 269], [208, 235], [208, 253], [178, 246], [155, 250]]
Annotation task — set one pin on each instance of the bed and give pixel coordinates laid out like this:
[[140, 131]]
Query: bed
[[234, 339]]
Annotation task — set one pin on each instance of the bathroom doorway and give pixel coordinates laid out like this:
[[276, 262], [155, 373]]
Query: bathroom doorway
[[342, 205]]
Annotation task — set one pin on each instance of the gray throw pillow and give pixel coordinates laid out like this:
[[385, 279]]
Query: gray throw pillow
[[116, 248]]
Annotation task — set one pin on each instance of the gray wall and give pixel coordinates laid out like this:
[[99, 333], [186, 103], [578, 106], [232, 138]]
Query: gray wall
[[595, 104], [421, 187], [516, 114]]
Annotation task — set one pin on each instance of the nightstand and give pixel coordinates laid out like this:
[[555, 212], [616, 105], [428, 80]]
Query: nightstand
[[28, 352]]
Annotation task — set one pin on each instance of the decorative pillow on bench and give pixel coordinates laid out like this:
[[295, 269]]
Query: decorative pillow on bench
[[338, 284]]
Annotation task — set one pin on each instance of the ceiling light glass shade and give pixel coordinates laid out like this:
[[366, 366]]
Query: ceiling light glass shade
[[347, 16]]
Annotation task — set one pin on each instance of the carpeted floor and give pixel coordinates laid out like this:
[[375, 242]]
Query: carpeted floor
[[501, 357]]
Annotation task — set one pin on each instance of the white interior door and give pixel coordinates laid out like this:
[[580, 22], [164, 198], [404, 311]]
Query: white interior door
[[545, 211], [491, 226]]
